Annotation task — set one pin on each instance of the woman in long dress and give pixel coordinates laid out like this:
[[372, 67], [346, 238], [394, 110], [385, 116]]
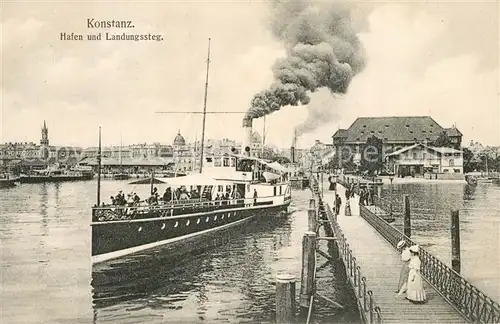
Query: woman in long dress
[[415, 292], [403, 274]]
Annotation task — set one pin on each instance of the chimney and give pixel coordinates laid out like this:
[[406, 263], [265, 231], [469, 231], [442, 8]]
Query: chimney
[[246, 146], [292, 149]]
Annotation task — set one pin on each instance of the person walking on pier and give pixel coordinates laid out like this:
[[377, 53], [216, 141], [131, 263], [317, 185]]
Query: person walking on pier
[[403, 274], [415, 292], [338, 203]]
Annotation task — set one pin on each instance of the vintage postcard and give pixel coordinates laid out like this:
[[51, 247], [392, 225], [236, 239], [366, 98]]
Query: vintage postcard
[[271, 161]]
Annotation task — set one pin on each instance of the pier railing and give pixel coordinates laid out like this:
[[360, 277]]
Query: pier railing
[[468, 300], [366, 302]]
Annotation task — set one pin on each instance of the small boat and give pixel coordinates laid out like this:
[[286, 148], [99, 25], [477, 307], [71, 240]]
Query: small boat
[[54, 174], [8, 181]]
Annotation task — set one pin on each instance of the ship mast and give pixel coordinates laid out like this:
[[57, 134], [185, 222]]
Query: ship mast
[[99, 170], [204, 110]]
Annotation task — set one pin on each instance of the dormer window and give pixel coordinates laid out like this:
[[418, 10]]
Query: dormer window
[[364, 126], [407, 125]]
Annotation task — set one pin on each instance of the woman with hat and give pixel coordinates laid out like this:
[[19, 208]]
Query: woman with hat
[[403, 274], [415, 292]]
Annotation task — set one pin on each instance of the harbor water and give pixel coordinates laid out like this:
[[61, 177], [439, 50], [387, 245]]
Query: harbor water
[[479, 208], [47, 275]]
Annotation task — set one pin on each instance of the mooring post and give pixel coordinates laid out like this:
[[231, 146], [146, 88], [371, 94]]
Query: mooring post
[[308, 269], [311, 220], [285, 298], [455, 240], [407, 220]]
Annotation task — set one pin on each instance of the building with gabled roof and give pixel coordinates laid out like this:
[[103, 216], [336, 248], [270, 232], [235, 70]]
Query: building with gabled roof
[[417, 159]]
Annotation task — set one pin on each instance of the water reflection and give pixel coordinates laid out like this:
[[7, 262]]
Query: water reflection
[[162, 278]]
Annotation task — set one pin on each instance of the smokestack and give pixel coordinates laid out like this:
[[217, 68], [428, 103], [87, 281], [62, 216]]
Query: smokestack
[[294, 143], [246, 146]]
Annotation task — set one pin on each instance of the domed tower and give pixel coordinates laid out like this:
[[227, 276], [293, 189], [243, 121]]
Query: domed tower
[[179, 140]]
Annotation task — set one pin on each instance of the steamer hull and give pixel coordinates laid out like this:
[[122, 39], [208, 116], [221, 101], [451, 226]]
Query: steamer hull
[[119, 238]]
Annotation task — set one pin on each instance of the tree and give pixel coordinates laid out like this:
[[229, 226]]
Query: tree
[[281, 159], [443, 140], [371, 155], [470, 163]]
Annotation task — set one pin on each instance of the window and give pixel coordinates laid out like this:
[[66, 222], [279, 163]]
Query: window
[[280, 190], [217, 162], [411, 132], [386, 126], [209, 159], [274, 191], [220, 188], [407, 126], [372, 132], [233, 162], [226, 162], [415, 155]]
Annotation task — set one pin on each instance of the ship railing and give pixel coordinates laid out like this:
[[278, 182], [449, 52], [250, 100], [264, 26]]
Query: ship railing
[[468, 300], [123, 212]]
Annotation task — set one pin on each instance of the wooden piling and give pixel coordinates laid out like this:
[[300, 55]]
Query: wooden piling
[[407, 219], [312, 221], [308, 271], [285, 298], [312, 203], [455, 240]]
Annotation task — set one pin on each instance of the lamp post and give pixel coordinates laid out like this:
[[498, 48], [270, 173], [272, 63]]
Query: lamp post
[[391, 177]]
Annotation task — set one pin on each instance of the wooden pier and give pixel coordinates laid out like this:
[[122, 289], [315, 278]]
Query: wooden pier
[[366, 244]]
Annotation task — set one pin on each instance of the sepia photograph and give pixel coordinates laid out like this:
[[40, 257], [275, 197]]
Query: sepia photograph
[[270, 161]]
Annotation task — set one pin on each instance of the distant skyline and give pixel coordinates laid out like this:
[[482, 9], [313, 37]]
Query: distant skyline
[[437, 59]]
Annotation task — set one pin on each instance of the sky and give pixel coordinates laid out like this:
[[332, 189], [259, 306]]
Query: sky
[[433, 58]]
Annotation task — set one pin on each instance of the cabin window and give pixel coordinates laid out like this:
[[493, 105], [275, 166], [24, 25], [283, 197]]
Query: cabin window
[[274, 191], [233, 163], [280, 190], [220, 188], [226, 162], [217, 162], [228, 188], [209, 159]]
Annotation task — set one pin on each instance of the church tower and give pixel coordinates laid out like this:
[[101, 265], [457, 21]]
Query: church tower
[[44, 142], [45, 135]]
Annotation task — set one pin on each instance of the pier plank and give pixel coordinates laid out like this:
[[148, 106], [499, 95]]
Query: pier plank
[[380, 264]]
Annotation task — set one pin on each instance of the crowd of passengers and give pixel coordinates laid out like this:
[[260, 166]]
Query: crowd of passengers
[[169, 196]]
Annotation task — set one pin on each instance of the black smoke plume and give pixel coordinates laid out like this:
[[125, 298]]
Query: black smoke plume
[[323, 51]]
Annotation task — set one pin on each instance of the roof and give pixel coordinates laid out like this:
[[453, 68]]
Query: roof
[[340, 133], [433, 148], [392, 129], [179, 140], [131, 162], [453, 132]]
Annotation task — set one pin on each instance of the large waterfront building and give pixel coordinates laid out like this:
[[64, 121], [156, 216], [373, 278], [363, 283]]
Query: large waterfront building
[[395, 133]]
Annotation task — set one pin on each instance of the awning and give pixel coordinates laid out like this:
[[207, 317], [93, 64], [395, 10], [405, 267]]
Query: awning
[[278, 167], [193, 180]]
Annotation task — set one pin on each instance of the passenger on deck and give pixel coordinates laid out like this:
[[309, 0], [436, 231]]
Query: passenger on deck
[[184, 196], [255, 197], [167, 196], [113, 201], [137, 199], [194, 194]]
